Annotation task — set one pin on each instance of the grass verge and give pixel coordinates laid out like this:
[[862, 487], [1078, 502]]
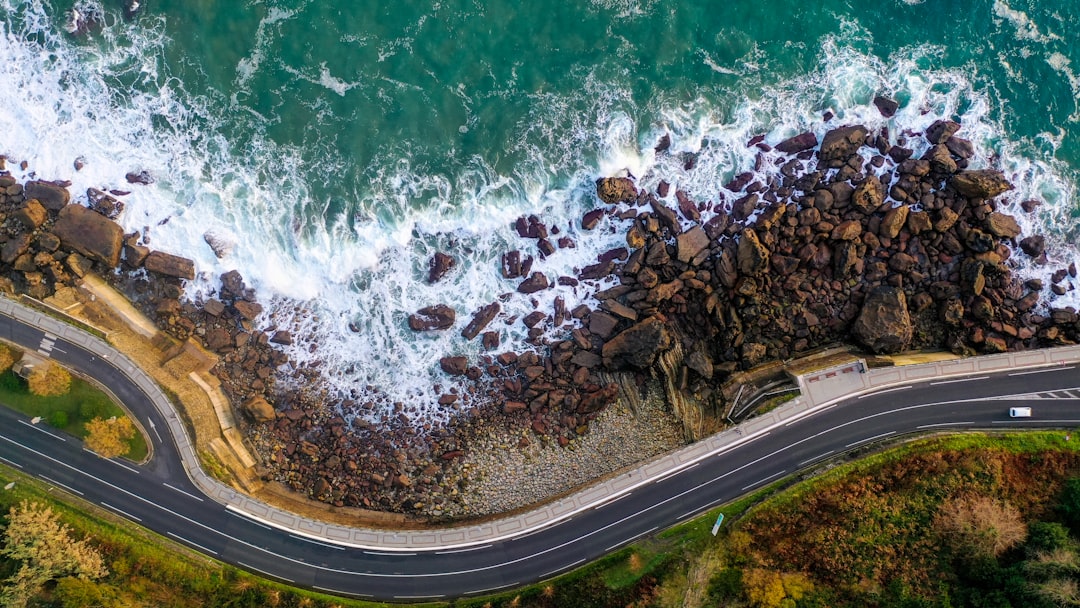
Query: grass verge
[[69, 412]]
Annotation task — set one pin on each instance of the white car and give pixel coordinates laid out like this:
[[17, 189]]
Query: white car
[[1020, 412]]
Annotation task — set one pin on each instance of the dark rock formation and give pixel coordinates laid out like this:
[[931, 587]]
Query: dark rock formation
[[884, 325], [91, 234], [429, 318], [170, 265], [638, 346]]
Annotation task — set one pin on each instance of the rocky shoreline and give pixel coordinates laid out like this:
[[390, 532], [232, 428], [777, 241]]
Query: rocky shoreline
[[849, 238]]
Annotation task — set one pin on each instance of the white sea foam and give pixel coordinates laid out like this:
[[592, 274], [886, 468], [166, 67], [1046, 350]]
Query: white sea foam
[[365, 266]]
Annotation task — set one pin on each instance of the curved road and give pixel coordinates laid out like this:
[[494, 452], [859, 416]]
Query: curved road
[[160, 497]]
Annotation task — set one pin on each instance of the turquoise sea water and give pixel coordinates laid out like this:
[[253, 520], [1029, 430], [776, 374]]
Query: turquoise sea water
[[332, 147]]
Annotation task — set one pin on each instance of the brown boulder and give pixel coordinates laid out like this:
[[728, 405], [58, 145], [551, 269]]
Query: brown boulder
[[170, 265], [884, 325], [455, 366], [538, 281], [941, 131], [893, 221], [946, 220], [134, 253], [614, 190], [691, 243], [847, 231], [984, 183], [1002, 225], [918, 222], [439, 265], [638, 346], [480, 320], [31, 214], [841, 143], [591, 219], [259, 409], [941, 161], [429, 318], [53, 197], [248, 310], [91, 234], [752, 256], [798, 143], [869, 195]]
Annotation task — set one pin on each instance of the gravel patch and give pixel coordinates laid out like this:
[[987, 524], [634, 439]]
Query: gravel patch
[[500, 476]]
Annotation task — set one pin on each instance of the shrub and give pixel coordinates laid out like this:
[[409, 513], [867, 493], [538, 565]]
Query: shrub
[[108, 438], [58, 419], [8, 357]]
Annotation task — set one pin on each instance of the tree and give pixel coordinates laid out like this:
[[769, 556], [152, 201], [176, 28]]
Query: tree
[[1069, 504], [49, 380], [8, 357], [979, 526], [769, 589], [108, 437], [43, 545]]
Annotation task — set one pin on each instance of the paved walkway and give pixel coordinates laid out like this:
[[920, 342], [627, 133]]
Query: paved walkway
[[819, 389]]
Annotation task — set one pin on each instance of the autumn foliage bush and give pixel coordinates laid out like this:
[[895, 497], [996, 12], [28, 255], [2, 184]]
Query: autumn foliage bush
[[49, 380]]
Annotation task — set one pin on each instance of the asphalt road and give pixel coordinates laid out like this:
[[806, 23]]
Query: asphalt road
[[160, 497]]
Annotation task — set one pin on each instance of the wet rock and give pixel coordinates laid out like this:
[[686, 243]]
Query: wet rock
[[538, 281], [248, 310], [591, 219], [430, 318], [960, 148], [282, 337], [893, 222], [886, 106], [839, 144], [602, 324], [455, 366], [1033, 245], [847, 231], [1002, 225], [941, 131], [984, 183], [941, 161], [798, 143], [259, 409], [142, 178], [170, 265], [91, 234], [884, 325], [638, 346], [614, 190], [918, 222], [480, 320], [946, 220], [438, 266]]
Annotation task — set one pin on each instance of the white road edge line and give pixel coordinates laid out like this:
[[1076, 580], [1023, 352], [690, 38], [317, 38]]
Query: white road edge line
[[14, 464], [886, 390], [959, 380], [120, 511], [818, 457], [315, 542], [1035, 420], [1042, 371], [567, 567], [418, 597], [761, 481], [869, 439], [465, 550], [930, 426], [340, 592], [390, 553], [65, 486], [193, 544], [631, 539], [265, 573], [489, 589], [176, 489], [237, 513]]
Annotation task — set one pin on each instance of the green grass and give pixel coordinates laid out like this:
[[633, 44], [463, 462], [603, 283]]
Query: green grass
[[68, 412]]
